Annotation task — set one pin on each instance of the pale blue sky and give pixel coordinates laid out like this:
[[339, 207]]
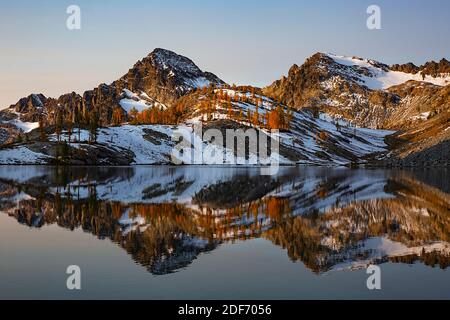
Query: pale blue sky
[[246, 42]]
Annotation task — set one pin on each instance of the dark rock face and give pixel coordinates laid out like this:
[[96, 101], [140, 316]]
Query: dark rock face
[[8, 133], [407, 67], [30, 108], [30, 103], [437, 156], [96, 154], [103, 99], [229, 194], [431, 68]]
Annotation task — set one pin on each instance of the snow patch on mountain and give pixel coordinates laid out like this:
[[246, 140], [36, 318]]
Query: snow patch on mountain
[[421, 116], [22, 155], [140, 102], [24, 126], [311, 139], [377, 248], [19, 124], [129, 104], [377, 76]]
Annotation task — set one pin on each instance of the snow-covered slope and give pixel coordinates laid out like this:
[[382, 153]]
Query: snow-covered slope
[[22, 155], [13, 125], [154, 144], [343, 142], [376, 75]]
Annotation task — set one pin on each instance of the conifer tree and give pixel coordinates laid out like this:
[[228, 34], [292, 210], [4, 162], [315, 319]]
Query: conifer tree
[[77, 119], [93, 126], [256, 116], [42, 133], [249, 116], [59, 125], [241, 115], [117, 116], [229, 110], [69, 129], [133, 114]]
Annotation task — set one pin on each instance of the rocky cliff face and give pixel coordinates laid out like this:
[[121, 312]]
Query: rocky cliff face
[[432, 68], [166, 76], [366, 92]]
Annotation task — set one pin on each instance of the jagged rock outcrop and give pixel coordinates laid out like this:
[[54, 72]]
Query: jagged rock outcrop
[[165, 76], [431, 68]]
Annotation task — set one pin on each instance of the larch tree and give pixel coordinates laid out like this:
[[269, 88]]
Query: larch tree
[[249, 116], [42, 133], [133, 115], [256, 116], [229, 109], [274, 119], [241, 115], [117, 116]]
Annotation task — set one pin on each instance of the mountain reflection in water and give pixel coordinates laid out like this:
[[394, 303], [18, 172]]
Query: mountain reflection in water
[[165, 217]]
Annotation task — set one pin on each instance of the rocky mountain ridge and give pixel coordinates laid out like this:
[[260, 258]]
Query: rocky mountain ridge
[[355, 91], [414, 101], [160, 78], [365, 92]]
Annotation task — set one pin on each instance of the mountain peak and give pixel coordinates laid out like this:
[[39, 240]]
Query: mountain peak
[[166, 59], [34, 100], [178, 73]]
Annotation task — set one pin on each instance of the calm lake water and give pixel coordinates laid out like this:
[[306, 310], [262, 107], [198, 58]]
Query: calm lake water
[[223, 233]]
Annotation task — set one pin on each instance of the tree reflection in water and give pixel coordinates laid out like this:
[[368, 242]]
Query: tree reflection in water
[[164, 217]]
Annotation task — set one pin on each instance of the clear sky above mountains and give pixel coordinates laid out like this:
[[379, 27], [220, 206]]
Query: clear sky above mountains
[[248, 42]]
